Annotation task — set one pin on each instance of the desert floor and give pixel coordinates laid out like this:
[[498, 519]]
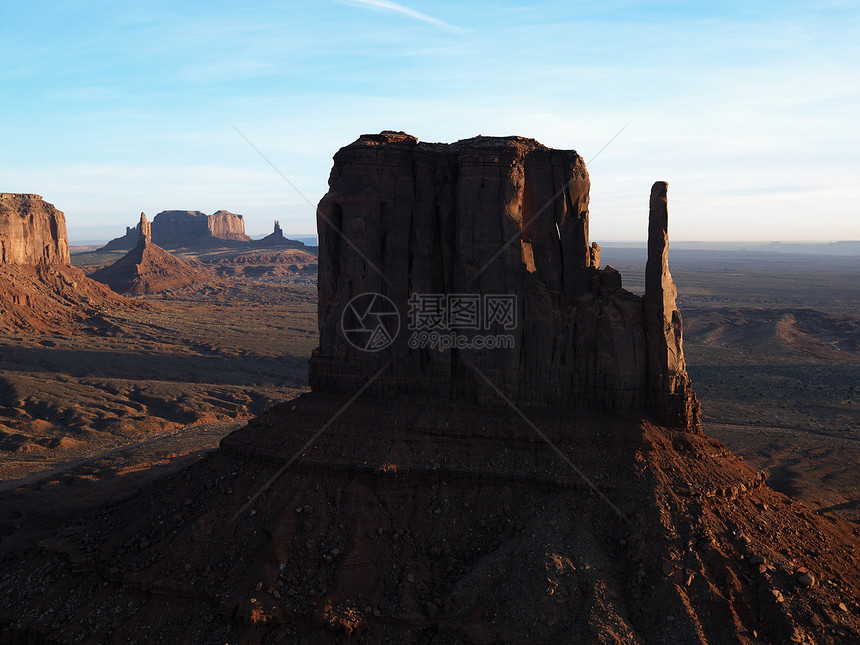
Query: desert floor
[[94, 413]]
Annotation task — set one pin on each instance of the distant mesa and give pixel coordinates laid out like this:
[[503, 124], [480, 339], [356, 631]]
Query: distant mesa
[[485, 217], [147, 268], [189, 229]]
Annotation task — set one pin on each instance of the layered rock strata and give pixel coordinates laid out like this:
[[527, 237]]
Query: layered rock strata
[[444, 231], [32, 231]]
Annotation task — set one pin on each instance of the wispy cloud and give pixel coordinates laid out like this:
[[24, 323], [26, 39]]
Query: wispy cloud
[[386, 5]]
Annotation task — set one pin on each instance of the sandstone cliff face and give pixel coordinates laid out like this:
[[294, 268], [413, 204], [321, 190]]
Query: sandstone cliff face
[[227, 226], [491, 217], [32, 232]]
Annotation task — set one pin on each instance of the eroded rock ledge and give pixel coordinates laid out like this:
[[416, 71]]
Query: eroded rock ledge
[[494, 216]]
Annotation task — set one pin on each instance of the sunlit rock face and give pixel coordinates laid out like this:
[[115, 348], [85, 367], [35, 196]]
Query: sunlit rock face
[[498, 227], [32, 231]]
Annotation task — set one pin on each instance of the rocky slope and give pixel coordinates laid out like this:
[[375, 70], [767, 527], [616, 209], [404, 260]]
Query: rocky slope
[[147, 268], [410, 520], [39, 290]]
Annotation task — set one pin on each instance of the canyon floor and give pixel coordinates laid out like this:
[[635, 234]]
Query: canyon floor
[[96, 410]]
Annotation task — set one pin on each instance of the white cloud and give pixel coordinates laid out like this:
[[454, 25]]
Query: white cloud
[[386, 5]]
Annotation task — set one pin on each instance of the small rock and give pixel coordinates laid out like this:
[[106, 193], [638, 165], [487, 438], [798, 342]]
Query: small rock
[[816, 621], [259, 586], [807, 580], [842, 606]]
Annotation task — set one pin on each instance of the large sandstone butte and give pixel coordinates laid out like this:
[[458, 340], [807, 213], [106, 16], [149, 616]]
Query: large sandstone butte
[[175, 229], [490, 216], [32, 231], [147, 268], [39, 289], [430, 517]]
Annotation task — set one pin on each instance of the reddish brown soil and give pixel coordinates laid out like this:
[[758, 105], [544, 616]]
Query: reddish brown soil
[[415, 521], [38, 299]]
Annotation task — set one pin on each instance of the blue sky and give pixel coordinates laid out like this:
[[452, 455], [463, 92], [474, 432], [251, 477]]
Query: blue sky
[[748, 110]]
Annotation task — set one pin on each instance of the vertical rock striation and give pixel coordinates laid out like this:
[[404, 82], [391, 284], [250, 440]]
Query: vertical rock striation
[[32, 232], [483, 218]]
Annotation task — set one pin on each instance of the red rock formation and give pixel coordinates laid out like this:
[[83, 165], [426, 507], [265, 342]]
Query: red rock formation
[[147, 268], [352, 517], [175, 229], [276, 238], [31, 231], [39, 290], [227, 226], [486, 216]]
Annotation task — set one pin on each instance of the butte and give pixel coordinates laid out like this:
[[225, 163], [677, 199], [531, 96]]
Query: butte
[[147, 268], [39, 289], [551, 487]]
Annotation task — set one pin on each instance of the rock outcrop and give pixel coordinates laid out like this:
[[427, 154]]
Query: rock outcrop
[[343, 517], [193, 229], [276, 238], [32, 231], [452, 235], [39, 290], [147, 268]]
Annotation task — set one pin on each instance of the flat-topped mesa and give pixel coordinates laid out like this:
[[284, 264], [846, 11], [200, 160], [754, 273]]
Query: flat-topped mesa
[[175, 229], [32, 231], [225, 225], [481, 246]]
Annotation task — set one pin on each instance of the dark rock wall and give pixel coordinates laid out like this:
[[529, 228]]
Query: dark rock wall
[[32, 231], [435, 219]]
